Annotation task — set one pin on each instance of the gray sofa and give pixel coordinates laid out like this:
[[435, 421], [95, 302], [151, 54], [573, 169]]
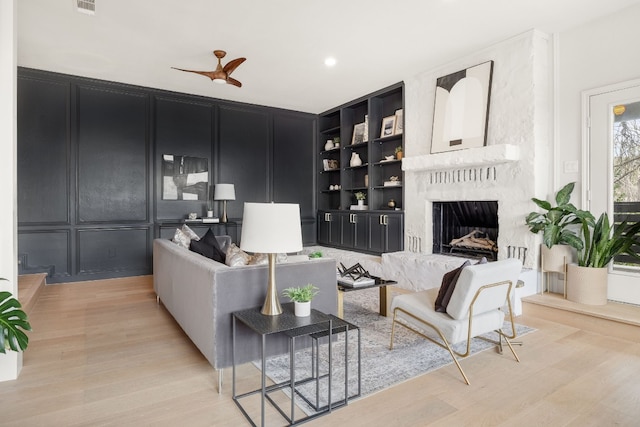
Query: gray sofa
[[201, 294]]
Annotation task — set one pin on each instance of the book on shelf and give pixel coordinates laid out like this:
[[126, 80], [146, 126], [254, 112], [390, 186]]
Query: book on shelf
[[205, 220], [392, 183]]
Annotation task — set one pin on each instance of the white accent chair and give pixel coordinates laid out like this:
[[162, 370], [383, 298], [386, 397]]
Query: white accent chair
[[475, 308]]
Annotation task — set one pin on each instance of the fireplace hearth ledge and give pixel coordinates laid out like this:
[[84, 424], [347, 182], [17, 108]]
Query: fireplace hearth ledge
[[472, 157]]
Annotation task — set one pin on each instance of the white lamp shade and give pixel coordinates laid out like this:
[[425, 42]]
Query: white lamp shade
[[271, 228], [224, 192]]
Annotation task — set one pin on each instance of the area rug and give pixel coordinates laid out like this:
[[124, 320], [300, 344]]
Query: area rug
[[381, 368]]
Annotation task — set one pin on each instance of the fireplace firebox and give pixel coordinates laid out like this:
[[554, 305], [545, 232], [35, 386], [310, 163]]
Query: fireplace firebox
[[466, 228]]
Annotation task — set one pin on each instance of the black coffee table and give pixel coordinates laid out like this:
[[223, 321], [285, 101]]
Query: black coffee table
[[380, 283]]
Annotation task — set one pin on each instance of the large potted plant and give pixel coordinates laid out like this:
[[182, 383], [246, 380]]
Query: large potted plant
[[557, 225], [13, 323], [587, 280]]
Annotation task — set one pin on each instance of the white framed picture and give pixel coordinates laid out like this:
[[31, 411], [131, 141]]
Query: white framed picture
[[399, 122], [388, 126], [358, 133]]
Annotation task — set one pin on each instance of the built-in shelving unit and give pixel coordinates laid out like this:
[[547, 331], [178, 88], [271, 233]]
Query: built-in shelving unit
[[380, 175]]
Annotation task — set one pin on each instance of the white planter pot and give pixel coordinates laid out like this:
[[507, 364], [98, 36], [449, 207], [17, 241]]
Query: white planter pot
[[587, 285], [554, 258], [302, 309]]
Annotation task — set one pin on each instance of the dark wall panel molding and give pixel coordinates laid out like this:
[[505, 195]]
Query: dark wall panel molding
[[114, 250], [183, 128], [47, 251], [89, 166], [112, 155], [43, 152], [244, 156]]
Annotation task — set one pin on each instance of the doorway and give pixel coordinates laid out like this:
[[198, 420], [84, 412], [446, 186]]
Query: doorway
[[612, 171]]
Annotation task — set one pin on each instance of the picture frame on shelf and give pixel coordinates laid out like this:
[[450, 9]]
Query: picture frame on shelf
[[330, 164], [358, 133], [399, 122], [388, 126]]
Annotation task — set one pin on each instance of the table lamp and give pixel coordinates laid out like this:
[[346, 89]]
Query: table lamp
[[271, 228], [224, 192]]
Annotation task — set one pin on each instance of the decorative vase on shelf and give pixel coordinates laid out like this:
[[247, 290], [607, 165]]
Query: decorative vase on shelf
[[329, 144], [360, 203], [392, 204], [355, 160]]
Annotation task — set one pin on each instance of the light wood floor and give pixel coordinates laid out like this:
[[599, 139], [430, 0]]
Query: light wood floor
[[104, 353]]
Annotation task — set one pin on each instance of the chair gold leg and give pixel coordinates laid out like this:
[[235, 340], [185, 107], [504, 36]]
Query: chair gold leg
[[466, 380], [393, 329], [509, 344]]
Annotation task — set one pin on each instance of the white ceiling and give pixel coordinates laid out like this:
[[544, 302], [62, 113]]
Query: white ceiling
[[376, 43]]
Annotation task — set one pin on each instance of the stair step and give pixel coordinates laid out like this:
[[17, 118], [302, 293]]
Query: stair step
[[29, 288], [594, 318]]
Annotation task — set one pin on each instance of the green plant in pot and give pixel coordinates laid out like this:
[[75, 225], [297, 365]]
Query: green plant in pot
[[602, 242], [557, 225], [301, 296], [13, 323]]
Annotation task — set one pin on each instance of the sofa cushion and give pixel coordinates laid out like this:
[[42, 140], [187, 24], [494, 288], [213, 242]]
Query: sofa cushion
[[183, 236]]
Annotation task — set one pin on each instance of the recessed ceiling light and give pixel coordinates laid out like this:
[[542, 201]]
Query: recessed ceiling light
[[330, 61]]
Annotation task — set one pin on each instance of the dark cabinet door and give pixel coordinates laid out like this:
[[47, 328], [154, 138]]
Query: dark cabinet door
[[329, 228], [354, 230], [385, 232]]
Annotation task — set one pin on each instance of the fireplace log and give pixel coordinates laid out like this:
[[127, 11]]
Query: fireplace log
[[471, 241]]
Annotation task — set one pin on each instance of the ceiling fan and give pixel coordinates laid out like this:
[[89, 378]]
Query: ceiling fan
[[221, 74]]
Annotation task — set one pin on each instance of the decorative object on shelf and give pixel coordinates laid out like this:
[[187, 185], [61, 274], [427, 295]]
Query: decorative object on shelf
[[330, 164], [388, 126], [355, 272], [224, 192], [13, 323], [399, 122], [209, 214], [358, 133], [271, 228], [332, 187], [336, 141], [360, 196], [388, 158], [366, 180], [184, 177], [220, 74], [461, 112], [392, 204], [301, 297], [193, 216], [355, 160], [366, 128], [602, 242], [399, 152], [393, 181], [329, 145]]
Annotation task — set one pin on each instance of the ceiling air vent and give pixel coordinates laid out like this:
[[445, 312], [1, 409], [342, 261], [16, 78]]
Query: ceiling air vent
[[86, 6]]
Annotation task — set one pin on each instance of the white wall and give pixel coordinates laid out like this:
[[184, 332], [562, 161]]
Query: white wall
[[597, 54], [10, 363]]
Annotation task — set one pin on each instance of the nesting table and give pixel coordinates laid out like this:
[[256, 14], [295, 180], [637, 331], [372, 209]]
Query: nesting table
[[293, 327]]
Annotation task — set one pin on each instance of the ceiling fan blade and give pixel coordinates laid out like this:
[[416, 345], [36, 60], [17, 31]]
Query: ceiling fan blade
[[210, 74], [232, 65], [232, 81]]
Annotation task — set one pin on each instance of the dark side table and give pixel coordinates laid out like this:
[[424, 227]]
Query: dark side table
[[292, 327]]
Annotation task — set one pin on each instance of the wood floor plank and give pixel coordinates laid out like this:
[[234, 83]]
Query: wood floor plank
[[104, 353]]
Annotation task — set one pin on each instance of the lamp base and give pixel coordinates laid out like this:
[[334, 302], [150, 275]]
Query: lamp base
[[271, 306], [224, 211]]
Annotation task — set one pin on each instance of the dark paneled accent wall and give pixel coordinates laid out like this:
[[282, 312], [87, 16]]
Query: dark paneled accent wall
[[90, 161]]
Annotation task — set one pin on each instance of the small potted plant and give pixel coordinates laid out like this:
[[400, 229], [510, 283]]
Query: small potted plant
[[301, 297], [360, 196], [399, 152]]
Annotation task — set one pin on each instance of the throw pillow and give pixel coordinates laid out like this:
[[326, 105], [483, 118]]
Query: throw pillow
[[259, 259], [184, 235], [201, 248], [449, 281], [236, 256], [210, 240], [181, 239]]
